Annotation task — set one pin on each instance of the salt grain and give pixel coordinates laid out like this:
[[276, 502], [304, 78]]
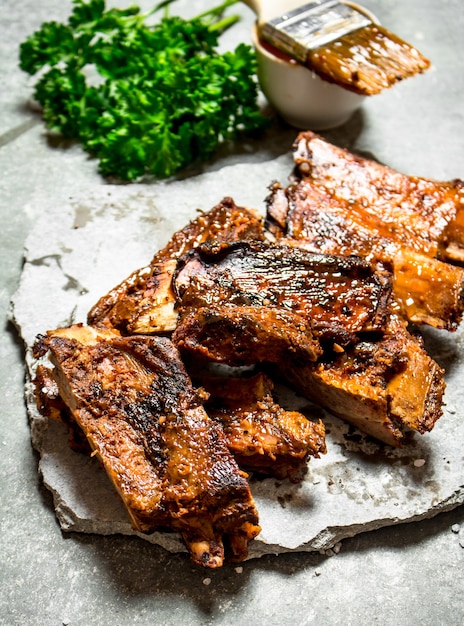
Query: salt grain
[[455, 528], [239, 570], [419, 462], [206, 581]]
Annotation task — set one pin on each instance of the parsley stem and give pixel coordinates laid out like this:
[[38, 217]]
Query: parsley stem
[[217, 10], [224, 24], [161, 5]]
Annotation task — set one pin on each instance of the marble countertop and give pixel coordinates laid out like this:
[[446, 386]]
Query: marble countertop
[[406, 573]]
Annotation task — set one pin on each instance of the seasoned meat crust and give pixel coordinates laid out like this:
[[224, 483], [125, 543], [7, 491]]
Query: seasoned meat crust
[[262, 436], [245, 335], [341, 296], [144, 302], [341, 203], [432, 211], [169, 462]]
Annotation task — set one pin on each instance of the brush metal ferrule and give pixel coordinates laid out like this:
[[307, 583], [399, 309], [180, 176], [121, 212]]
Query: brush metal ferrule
[[311, 26]]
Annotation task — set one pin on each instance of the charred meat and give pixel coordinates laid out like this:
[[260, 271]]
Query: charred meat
[[427, 290], [144, 302], [245, 335], [341, 296], [169, 462], [262, 436]]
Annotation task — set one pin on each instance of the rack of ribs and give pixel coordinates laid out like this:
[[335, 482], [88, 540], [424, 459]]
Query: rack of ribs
[[319, 296], [221, 292], [133, 400], [341, 203]]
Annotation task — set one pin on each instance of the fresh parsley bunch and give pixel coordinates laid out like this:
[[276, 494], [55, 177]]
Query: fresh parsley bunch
[[142, 98]]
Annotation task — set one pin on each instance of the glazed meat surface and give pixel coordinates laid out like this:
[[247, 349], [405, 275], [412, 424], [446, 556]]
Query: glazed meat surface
[[432, 211], [169, 462], [340, 296], [386, 388], [427, 290], [261, 435], [245, 335], [144, 302]]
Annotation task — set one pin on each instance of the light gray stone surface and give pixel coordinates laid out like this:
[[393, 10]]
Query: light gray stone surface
[[408, 573]]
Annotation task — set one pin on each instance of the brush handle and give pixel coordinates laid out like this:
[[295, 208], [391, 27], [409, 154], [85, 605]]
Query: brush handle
[[268, 9]]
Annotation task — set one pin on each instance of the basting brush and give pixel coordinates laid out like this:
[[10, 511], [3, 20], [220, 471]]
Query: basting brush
[[338, 42]]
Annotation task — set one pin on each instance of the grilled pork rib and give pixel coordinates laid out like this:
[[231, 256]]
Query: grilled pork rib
[[245, 335], [316, 306], [134, 401], [144, 302], [261, 435], [385, 388], [432, 211], [382, 382], [340, 296], [232, 296], [428, 291]]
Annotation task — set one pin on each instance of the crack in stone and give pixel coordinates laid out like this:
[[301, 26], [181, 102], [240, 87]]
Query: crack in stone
[[72, 285], [43, 260], [13, 134]]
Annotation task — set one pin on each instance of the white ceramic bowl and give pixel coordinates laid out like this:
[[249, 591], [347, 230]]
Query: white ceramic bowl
[[301, 97]]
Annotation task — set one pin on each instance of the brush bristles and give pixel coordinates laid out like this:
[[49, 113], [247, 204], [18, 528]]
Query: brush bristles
[[367, 60]]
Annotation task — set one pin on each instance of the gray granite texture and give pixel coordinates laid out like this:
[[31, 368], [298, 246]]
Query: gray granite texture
[[406, 573]]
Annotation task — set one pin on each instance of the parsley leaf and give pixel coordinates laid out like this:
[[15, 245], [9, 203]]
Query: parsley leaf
[[143, 98]]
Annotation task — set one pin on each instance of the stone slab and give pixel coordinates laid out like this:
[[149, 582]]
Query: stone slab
[[79, 250]]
